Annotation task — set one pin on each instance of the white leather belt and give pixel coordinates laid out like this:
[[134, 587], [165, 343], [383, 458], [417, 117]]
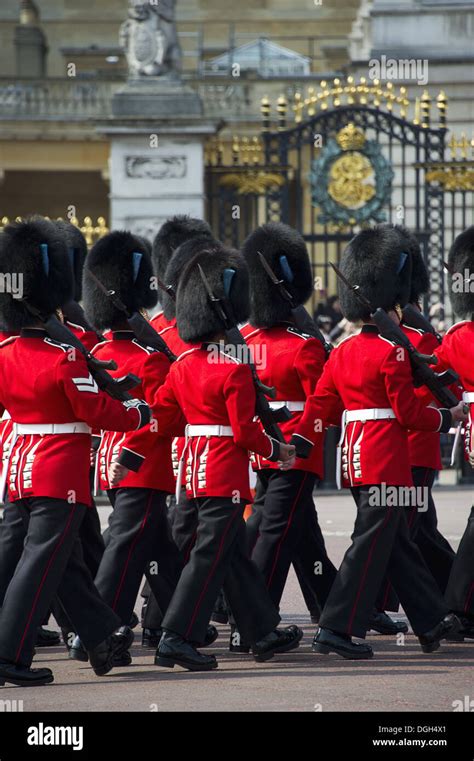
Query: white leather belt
[[468, 396], [351, 416], [194, 431], [292, 406], [48, 429], [208, 430]]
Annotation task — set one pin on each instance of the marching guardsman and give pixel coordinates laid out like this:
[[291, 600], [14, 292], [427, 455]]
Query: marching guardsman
[[291, 362], [171, 235], [54, 402], [424, 446], [12, 534], [153, 613], [456, 352], [139, 532], [369, 379], [214, 393]]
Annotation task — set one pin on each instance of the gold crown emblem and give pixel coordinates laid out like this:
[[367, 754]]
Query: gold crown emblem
[[350, 138]]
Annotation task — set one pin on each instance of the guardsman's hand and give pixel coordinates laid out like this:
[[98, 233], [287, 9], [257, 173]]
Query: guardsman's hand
[[287, 456], [117, 473], [460, 413]]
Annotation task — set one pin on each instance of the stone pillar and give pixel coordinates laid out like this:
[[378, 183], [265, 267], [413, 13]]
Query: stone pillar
[[157, 138]]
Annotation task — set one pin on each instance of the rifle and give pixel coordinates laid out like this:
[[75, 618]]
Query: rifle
[[423, 375], [142, 329], [116, 387], [302, 319], [223, 309], [416, 319]]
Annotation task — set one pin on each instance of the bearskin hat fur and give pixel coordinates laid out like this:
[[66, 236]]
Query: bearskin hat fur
[[35, 264], [77, 250], [122, 264], [173, 234], [178, 261], [274, 241], [196, 318], [420, 279], [377, 261], [461, 273]]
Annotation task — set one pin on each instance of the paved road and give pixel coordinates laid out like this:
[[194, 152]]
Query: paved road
[[399, 678]]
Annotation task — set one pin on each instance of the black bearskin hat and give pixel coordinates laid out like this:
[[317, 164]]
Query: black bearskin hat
[[461, 273], [77, 250], [145, 242], [177, 263], [227, 273], [420, 279], [286, 252], [173, 234], [378, 262], [122, 264], [33, 256]]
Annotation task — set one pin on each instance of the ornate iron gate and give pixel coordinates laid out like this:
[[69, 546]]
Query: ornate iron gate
[[353, 157]]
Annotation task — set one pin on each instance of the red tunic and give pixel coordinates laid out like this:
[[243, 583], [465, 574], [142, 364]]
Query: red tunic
[[292, 362], [364, 372], [152, 367], [201, 392], [42, 382], [424, 447], [159, 322], [456, 353], [87, 337]]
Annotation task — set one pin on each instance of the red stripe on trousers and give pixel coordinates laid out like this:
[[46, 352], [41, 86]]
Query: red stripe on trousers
[[43, 579], [366, 568], [210, 575], [288, 524], [130, 552]]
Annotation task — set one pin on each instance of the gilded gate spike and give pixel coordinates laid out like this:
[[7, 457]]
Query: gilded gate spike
[[324, 94], [442, 104], [265, 109], [282, 109], [311, 101], [425, 109], [298, 106]]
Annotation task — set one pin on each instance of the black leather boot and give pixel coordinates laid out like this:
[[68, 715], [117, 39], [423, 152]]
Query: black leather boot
[[151, 637], [326, 641], [23, 676], [430, 641], [47, 638], [382, 623], [278, 641], [173, 650], [104, 657], [465, 632]]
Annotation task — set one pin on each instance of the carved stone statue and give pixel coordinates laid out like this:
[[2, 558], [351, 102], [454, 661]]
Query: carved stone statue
[[150, 39]]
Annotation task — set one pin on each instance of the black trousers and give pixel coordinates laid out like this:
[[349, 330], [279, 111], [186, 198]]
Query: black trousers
[[284, 529], [381, 545], [211, 535], [460, 589], [423, 525], [51, 563], [139, 541]]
